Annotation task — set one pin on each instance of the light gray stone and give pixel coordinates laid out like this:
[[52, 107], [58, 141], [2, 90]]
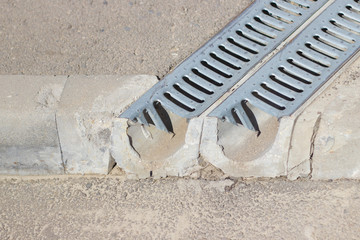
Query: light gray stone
[[85, 117], [29, 143]]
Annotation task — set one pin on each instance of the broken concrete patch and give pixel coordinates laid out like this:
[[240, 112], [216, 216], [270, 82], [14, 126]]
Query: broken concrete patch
[[85, 117], [264, 162], [209, 172], [151, 158], [29, 143]]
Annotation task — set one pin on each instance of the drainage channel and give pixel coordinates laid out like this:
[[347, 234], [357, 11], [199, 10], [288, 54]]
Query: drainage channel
[[296, 72], [206, 75]]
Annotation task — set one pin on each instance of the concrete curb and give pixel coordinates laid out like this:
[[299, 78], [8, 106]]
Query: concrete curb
[[60, 124], [69, 125]]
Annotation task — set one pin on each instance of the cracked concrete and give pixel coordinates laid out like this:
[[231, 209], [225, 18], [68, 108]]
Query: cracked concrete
[[333, 141], [269, 161], [93, 124], [312, 142], [62, 124], [137, 37], [60, 148], [77, 125]]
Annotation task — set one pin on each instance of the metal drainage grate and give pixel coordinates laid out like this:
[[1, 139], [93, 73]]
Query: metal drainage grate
[[285, 82], [212, 70]]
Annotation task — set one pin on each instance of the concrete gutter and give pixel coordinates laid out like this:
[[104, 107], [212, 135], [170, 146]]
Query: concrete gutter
[[69, 125]]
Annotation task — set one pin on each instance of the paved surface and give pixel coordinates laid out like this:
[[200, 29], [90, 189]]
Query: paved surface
[[97, 37], [109, 208]]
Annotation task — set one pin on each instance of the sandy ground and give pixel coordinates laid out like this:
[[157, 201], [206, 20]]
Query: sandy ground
[[110, 208], [151, 37]]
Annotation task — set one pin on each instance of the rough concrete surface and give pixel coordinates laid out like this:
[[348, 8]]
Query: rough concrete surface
[[85, 117], [253, 155], [109, 208]]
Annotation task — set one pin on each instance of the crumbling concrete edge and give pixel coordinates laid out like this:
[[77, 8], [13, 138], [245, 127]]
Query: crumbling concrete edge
[[184, 162], [271, 164]]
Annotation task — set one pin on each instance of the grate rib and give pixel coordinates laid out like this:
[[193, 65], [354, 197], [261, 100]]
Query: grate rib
[[297, 71], [226, 58]]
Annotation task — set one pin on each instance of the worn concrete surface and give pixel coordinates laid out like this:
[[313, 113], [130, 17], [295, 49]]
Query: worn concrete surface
[[29, 142], [109, 208], [101, 37]]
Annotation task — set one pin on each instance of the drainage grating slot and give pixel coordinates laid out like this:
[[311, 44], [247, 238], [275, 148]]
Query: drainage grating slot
[[287, 80], [206, 75]]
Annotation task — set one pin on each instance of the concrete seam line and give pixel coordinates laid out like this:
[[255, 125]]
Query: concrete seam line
[[57, 128], [290, 145], [61, 152]]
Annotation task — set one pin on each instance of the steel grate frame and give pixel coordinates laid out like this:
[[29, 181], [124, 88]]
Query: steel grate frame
[[292, 76], [206, 75]]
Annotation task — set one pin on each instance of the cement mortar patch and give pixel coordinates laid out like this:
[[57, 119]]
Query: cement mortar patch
[[85, 117], [271, 163], [28, 131], [183, 162]]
